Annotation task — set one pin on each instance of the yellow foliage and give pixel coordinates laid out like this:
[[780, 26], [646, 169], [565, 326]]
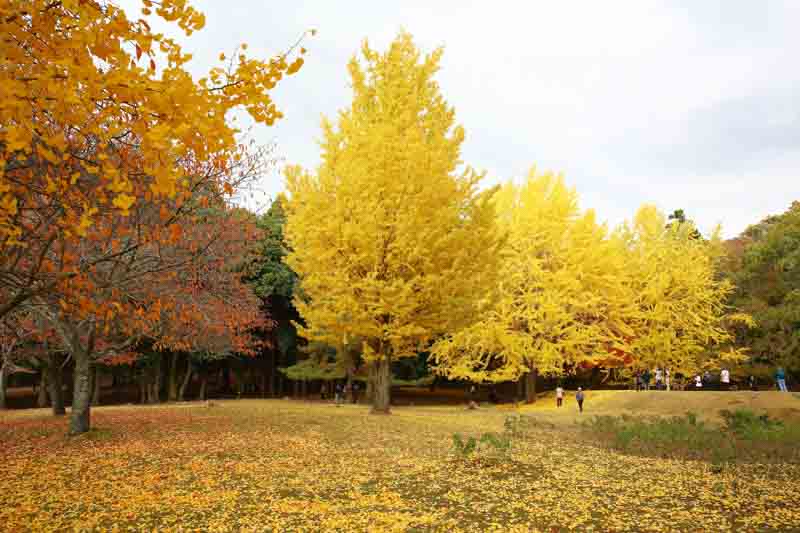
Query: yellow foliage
[[256, 465], [570, 294], [679, 293], [391, 244], [72, 92], [560, 298]]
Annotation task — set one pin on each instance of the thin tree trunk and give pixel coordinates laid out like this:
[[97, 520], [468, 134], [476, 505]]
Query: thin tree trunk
[[55, 380], [80, 421], [41, 400], [172, 393], [96, 385], [155, 392], [530, 385], [369, 393], [349, 385], [521, 388], [271, 391], [263, 382], [3, 385], [203, 382], [382, 387], [143, 387], [186, 379]]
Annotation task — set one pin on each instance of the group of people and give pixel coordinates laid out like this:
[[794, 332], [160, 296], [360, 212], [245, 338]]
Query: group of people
[[341, 391], [642, 379], [702, 381], [579, 397]]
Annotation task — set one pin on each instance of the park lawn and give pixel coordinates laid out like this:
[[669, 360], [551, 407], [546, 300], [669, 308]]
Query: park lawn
[[286, 465]]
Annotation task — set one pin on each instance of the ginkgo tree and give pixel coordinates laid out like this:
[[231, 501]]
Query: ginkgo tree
[[683, 315], [561, 297], [570, 294], [390, 240]]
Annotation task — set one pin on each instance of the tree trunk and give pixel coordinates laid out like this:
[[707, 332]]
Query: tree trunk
[[143, 389], [155, 390], [3, 384], [186, 379], [203, 382], [521, 388], [382, 387], [349, 385], [55, 380], [41, 400], [172, 393], [80, 421], [530, 385], [369, 393], [96, 386], [271, 391]]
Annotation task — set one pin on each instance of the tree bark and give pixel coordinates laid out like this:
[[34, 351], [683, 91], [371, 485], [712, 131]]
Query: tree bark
[[369, 393], [143, 387], [271, 391], [80, 421], [186, 379], [3, 385], [530, 385], [203, 383], [172, 393], [155, 390], [41, 400], [521, 388], [382, 386], [56, 383], [96, 385]]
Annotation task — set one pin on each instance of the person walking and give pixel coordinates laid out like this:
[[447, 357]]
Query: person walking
[[780, 379], [659, 379], [752, 382], [646, 380], [579, 398], [725, 379], [559, 396], [698, 382], [339, 391], [355, 392]]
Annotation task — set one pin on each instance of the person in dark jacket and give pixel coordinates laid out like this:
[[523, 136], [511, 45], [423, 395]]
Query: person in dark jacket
[[579, 398]]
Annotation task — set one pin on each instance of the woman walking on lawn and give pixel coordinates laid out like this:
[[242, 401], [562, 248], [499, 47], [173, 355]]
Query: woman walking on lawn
[[559, 396], [579, 397], [780, 379]]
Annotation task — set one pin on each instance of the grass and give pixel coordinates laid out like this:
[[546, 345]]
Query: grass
[[284, 465], [744, 436]]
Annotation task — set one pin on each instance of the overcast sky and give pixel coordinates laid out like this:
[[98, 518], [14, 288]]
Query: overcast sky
[[692, 105]]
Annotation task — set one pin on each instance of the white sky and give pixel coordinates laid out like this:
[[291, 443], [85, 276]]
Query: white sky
[[692, 105]]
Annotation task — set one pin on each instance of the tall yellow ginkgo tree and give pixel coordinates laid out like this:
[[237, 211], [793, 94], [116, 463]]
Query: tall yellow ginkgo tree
[[681, 298], [561, 297], [391, 243]]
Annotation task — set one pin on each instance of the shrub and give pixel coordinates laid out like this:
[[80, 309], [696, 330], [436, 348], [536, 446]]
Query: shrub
[[744, 435]]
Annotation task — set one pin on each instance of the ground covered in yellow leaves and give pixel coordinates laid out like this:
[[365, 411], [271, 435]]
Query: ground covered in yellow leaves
[[284, 465]]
